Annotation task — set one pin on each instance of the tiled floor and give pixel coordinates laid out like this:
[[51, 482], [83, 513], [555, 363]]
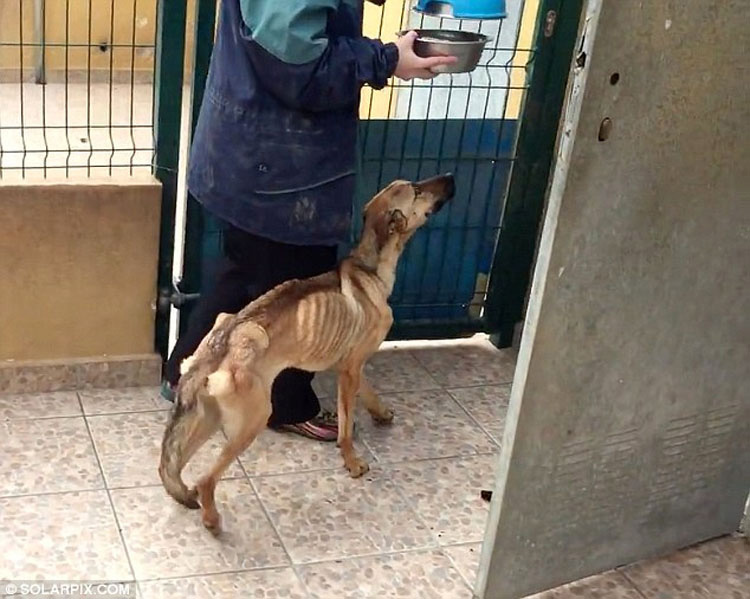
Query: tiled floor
[[80, 499]]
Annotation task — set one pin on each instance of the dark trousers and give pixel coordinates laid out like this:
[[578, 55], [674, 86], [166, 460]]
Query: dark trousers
[[251, 266]]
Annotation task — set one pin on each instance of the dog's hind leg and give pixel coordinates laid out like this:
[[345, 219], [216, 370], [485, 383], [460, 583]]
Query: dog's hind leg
[[380, 413], [349, 380], [188, 429], [243, 417]]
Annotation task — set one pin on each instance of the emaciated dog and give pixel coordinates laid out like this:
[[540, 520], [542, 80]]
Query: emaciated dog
[[333, 321]]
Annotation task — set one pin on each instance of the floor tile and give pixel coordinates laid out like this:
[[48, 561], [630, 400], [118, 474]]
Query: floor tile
[[731, 553], [130, 399], [715, 569], [63, 536], [39, 405], [282, 453], [260, 584], [45, 456], [467, 363], [413, 575], [611, 585], [392, 370], [487, 405], [129, 447], [324, 385], [388, 371], [606, 586], [427, 424], [446, 494], [328, 515], [166, 540], [465, 559]]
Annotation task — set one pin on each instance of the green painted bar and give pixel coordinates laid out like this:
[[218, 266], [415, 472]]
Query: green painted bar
[[170, 52], [514, 256], [196, 223]]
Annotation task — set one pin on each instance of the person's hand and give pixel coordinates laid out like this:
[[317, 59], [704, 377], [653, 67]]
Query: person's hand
[[411, 66]]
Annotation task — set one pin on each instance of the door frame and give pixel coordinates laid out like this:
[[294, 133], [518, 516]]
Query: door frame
[[553, 43]]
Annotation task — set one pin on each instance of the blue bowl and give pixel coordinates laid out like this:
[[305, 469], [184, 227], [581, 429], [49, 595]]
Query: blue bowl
[[463, 9]]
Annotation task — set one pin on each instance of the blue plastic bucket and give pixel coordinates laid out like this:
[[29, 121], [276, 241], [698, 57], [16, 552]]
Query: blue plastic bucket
[[464, 9]]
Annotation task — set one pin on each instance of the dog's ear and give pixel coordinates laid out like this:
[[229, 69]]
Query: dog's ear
[[389, 223], [381, 227], [397, 223]]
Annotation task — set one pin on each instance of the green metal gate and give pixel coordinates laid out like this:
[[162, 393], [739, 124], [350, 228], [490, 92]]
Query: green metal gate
[[495, 129]]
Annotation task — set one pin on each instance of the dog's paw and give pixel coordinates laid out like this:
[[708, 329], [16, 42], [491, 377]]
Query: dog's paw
[[385, 416], [357, 467], [212, 522], [191, 499]]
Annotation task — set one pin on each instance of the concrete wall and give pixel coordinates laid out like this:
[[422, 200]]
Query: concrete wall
[[628, 432], [78, 269], [128, 23], [133, 20]]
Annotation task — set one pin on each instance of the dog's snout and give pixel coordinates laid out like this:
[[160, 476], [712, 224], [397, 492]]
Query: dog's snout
[[442, 187], [450, 186], [446, 193]]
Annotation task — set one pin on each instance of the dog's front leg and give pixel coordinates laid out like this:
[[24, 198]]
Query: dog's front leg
[[349, 379]]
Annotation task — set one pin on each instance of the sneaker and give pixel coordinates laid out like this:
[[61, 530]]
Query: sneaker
[[167, 391], [323, 427]]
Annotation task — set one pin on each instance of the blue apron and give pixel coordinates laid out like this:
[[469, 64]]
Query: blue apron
[[274, 151]]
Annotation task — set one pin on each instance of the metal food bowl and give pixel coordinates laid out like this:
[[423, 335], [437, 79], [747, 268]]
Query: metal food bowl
[[466, 46]]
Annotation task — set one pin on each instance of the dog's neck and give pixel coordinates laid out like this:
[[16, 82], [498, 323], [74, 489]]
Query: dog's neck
[[380, 260]]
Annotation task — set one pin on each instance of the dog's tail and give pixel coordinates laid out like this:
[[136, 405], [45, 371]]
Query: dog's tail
[[200, 375], [187, 413], [173, 447]]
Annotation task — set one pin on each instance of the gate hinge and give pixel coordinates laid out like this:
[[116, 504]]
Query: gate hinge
[[549, 23], [174, 297]]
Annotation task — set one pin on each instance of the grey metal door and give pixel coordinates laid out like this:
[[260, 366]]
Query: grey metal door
[[628, 432]]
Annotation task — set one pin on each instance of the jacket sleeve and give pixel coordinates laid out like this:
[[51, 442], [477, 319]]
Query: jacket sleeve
[[298, 62]]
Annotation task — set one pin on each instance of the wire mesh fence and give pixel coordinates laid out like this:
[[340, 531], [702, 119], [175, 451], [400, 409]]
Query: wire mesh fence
[[463, 123], [76, 87], [76, 100]]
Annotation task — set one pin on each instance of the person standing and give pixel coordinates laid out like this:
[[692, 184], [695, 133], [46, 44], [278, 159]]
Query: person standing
[[273, 159]]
